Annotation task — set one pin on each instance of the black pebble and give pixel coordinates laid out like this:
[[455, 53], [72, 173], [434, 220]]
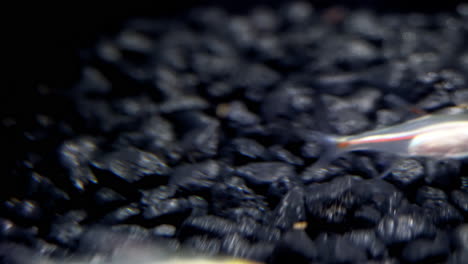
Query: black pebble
[[237, 114], [331, 203], [75, 155], [23, 210], [249, 148], [66, 230], [421, 250], [291, 209], [295, 245], [204, 244], [155, 134], [209, 224], [403, 228], [379, 194], [196, 177], [235, 245], [160, 202], [442, 173], [406, 172], [132, 164], [286, 102], [93, 81], [202, 141], [339, 249], [256, 79], [367, 216], [233, 198], [460, 199], [121, 214], [183, 104], [165, 230], [368, 240], [15, 233], [281, 154], [435, 101], [348, 122], [313, 174], [166, 208], [436, 203], [107, 196], [460, 237], [261, 173]]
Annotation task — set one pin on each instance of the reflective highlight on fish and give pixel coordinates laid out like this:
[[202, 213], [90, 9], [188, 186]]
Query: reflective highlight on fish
[[126, 255], [104, 246], [439, 136]]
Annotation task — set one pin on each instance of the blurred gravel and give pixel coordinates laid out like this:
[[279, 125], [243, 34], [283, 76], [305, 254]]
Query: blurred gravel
[[190, 130]]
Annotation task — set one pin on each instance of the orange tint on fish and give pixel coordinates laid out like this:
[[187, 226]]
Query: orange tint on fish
[[375, 140], [437, 135], [344, 144]]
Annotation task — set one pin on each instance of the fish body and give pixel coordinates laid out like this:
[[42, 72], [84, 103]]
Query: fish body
[[105, 246], [437, 135], [129, 254]]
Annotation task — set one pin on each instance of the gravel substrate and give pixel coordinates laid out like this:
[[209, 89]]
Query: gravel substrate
[[192, 131]]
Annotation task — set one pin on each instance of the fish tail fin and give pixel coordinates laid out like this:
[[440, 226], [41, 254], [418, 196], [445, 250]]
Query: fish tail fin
[[330, 148]]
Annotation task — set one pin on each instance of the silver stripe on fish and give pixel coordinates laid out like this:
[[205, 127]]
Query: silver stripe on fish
[[438, 135]]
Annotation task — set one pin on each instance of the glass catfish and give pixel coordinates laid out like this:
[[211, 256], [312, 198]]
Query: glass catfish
[[435, 135]]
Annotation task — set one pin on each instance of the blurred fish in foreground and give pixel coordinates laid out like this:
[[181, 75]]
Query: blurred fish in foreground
[[109, 247]]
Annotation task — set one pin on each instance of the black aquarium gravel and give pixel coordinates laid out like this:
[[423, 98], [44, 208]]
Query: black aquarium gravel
[[191, 131]]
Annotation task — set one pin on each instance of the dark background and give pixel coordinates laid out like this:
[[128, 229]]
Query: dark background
[[42, 42]]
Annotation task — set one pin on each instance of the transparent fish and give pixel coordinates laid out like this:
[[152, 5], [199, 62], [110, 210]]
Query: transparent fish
[[144, 257], [144, 260], [437, 135], [108, 247]]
